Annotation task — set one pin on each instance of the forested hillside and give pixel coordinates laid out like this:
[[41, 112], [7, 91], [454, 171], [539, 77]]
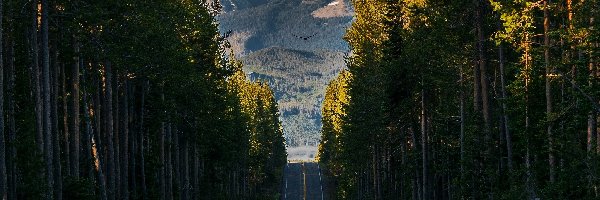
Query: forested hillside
[[466, 100], [298, 79], [266, 37], [130, 100]]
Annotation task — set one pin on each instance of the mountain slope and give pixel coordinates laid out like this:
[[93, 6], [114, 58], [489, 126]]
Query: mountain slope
[[265, 36], [276, 22]]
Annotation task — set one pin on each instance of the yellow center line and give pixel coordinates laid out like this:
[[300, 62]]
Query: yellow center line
[[304, 172]]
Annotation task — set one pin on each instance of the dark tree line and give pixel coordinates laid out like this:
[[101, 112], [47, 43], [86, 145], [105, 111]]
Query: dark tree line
[[466, 100], [130, 100]]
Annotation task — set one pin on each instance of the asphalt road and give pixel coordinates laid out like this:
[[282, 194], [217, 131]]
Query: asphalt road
[[302, 181]]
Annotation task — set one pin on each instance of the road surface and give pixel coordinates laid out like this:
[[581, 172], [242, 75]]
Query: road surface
[[302, 181]]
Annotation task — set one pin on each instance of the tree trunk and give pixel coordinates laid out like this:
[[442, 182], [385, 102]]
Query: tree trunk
[[3, 180], [65, 111], [195, 172], [36, 79], [169, 158], [529, 180], [47, 108], [417, 177], [186, 170], [425, 146], [484, 83], [110, 163], [88, 162], [100, 149], [485, 102], [462, 128], [124, 153], [594, 73], [548, 91], [132, 149], [12, 128], [504, 109], [176, 159], [56, 71], [592, 126], [75, 134], [141, 140], [117, 134], [163, 170]]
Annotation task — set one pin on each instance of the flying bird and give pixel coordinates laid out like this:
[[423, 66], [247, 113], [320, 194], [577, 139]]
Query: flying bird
[[228, 33], [304, 37]]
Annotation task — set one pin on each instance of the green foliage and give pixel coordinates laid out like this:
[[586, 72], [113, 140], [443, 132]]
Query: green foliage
[[168, 62], [416, 67]]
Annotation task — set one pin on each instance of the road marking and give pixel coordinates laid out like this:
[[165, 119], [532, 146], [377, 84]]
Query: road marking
[[287, 168], [304, 173], [320, 181]]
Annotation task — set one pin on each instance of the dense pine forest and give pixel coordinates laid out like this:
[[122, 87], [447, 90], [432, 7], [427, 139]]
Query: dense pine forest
[[130, 100], [476, 99]]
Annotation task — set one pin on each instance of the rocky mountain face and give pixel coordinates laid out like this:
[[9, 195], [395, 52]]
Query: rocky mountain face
[[297, 47]]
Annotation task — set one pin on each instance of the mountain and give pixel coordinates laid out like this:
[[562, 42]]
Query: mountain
[[259, 24], [271, 38]]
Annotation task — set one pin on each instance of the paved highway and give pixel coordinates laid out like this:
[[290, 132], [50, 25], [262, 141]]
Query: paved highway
[[302, 181]]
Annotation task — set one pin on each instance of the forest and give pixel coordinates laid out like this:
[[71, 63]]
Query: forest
[[130, 100], [481, 99], [298, 79]]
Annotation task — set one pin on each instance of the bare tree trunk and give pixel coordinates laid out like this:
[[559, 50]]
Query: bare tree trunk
[[88, 162], [141, 140], [124, 153], [163, 167], [195, 172], [108, 99], [65, 143], [47, 108], [97, 149], [416, 181], [462, 129], [485, 102], [99, 162], [186, 170], [132, 140], [117, 133], [56, 71], [548, 90], [484, 83], [595, 73], [592, 126], [12, 128], [98, 145], [425, 146], [75, 135], [35, 76], [176, 159], [529, 180], [3, 180], [169, 157], [504, 109]]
